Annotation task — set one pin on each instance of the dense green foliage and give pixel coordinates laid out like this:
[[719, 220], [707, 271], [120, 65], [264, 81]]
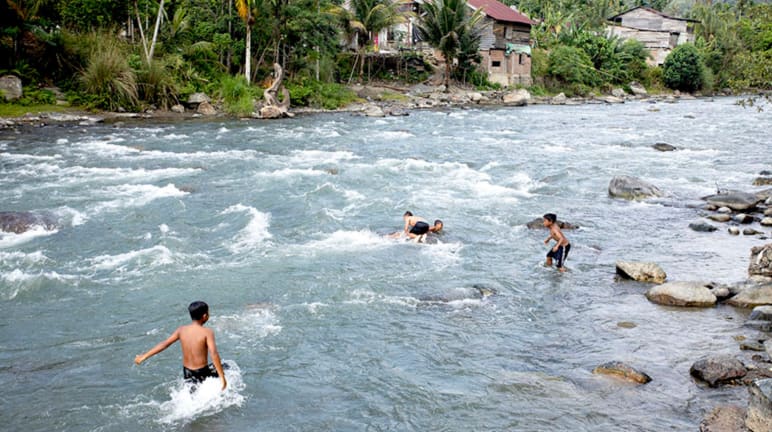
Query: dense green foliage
[[683, 69], [106, 54]]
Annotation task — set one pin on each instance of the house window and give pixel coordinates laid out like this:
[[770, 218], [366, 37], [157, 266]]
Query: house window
[[495, 63], [520, 59], [508, 33]]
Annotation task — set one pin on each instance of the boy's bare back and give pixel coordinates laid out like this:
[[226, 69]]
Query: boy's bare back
[[195, 340]]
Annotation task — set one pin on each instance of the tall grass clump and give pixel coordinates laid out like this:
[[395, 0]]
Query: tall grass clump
[[157, 86], [238, 96], [108, 80]]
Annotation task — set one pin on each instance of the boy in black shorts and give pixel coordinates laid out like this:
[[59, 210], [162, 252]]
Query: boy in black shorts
[[560, 251]]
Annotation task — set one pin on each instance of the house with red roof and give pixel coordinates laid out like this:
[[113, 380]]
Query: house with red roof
[[506, 43]]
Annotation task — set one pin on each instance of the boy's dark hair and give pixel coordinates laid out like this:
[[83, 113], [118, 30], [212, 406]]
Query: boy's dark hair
[[551, 217], [197, 310], [408, 213], [437, 222]]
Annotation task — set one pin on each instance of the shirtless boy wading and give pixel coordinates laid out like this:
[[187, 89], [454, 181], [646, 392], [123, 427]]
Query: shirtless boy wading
[[197, 342]]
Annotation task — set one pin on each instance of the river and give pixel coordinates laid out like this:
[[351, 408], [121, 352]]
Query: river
[[328, 325]]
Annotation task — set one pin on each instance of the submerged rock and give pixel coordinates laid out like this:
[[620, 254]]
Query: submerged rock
[[763, 313], [664, 147], [622, 370], [750, 297], [539, 223], [761, 261], [628, 187], [759, 416], [735, 200], [702, 227], [475, 292], [641, 271], [716, 370], [725, 418], [19, 222], [686, 294]]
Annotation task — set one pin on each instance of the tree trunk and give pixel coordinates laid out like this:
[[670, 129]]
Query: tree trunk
[[248, 53], [447, 74], [155, 32], [273, 107]]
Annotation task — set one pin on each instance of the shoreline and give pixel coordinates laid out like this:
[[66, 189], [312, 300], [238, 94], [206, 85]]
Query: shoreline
[[380, 101]]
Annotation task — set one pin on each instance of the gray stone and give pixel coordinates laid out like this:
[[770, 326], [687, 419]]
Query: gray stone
[[374, 111], [702, 227], [178, 109], [768, 201], [641, 271], [725, 418], [664, 147], [721, 217], [19, 222], [724, 210], [751, 232], [206, 109], [734, 230], [628, 187], [475, 97], [767, 221], [611, 99], [622, 370], [638, 89], [618, 92], [761, 261], [768, 212], [763, 313], [752, 296], [560, 99], [759, 416], [762, 181], [743, 218], [197, 98], [518, 97], [719, 369], [768, 347], [271, 112], [10, 87], [735, 200], [685, 294], [752, 346], [539, 223]]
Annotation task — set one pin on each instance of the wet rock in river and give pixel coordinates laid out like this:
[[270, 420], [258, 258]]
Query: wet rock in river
[[702, 227], [725, 418], [735, 200], [622, 370], [641, 271], [685, 294], [743, 218], [762, 181], [767, 221], [539, 223], [664, 147], [721, 217], [719, 369], [724, 210], [19, 222], [763, 313], [753, 296], [734, 230], [761, 261], [628, 187], [751, 232], [759, 416]]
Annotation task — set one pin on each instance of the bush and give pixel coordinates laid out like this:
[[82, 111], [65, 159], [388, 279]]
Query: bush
[[238, 96], [313, 93], [683, 69], [108, 80], [571, 65], [156, 85]]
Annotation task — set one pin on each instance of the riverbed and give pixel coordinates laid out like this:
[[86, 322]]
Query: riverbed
[[328, 325]]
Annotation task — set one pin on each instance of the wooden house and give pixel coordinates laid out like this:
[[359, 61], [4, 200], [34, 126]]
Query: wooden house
[[658, 32]]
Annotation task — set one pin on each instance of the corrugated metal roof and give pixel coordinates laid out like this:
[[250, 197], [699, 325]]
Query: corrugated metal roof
[[499, 11], [654, 11]]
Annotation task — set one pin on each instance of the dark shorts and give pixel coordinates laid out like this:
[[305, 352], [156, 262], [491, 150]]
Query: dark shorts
[[560, 255], [420, 228], [199, 375]]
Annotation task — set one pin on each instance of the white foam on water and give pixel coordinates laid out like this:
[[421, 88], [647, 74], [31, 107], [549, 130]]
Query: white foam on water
[[307, 158], [346, 241], [286, 173], [26, 158], [163, 228], [360, 296], [200, 155], [254, 233], [155, 256], [74, 217], [175, 137], [393, 135], [18, 258], [258, 321], [187, 404], [12, 239], [443, 254], [18, 281], [129, 195], [61, 141], [105, 148]]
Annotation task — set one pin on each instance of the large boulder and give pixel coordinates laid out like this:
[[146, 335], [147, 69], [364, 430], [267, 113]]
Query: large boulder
[[761, 261], [638, 89], [664, 147], [198, 98], [19, 222], [206, 109], [759, 417], [687, 294], [10, 87], [271, 112], [641, 271], [628, 187], [518, 97], [752, 294], [735, 200], [539, 223], [701, 226], [719, 369], [725, 418], [761, 313], [560, 99], [622, 370], [374, 111]]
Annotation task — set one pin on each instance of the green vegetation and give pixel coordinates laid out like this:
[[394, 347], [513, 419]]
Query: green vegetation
[[150, 54]]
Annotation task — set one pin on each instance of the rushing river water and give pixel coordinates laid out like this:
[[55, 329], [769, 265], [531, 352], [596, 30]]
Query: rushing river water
[[328, 325]]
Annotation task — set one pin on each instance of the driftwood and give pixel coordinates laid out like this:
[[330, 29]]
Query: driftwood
[[274, 108]]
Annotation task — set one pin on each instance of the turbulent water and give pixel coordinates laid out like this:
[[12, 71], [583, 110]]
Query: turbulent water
[[330, 326]]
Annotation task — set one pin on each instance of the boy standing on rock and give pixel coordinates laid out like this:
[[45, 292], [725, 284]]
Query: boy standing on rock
[[560, 251]]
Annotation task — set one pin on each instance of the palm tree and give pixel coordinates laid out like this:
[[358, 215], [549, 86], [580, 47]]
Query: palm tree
[[368, 17], [244, 8], [445, 25]]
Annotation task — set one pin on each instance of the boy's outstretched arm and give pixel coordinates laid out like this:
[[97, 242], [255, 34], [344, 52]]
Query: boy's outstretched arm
[[158, 348], [216, 358]]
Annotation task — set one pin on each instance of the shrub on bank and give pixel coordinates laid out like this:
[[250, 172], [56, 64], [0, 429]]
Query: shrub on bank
[[317, 94], [683, 69], [237, 95]]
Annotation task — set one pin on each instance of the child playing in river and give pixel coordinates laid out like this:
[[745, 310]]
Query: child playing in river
[[560, 251], [197, 341]]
